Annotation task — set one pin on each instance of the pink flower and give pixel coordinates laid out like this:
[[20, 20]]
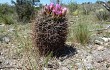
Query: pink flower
[[56, 11], [51, 6], [64, 10], [58, 7], [59, 13]]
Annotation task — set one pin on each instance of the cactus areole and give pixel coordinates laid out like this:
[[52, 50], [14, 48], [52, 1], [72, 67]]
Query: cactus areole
[[50, 29]]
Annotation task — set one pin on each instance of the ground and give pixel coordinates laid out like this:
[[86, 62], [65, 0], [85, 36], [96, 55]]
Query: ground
[[17, 53]]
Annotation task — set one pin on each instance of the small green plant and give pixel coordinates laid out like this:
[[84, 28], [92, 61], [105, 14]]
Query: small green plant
[[7, 19], [73, 6], [6, 9], [82, 34], [76, 13], [24, 10], [47, 59], [102, 14], [87, 8]]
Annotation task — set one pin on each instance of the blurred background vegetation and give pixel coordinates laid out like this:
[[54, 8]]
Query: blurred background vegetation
[[25, 11]]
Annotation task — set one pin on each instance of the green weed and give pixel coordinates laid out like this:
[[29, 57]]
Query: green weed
[[82, 34]]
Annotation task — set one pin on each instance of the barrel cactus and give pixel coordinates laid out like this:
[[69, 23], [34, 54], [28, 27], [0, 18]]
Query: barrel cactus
[[50, 29]]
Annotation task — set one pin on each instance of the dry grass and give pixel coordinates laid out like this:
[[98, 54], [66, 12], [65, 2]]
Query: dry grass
[[82, 33]]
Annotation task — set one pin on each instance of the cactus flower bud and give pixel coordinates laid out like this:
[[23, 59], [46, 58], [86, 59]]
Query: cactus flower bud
[[47, 9], [51, 6], [64, 10]]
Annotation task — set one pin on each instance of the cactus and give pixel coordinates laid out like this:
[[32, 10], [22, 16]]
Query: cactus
[[50, 29]]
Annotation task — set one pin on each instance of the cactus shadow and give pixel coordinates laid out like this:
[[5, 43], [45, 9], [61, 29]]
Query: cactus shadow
[[67, 51]]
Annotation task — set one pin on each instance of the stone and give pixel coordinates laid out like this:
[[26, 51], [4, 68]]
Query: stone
[[100, 48], [68, 43], [11, 30], [102, 40], [1, 25], [6, 39], [108, 27], [105, 39], [45, 68], [59, 63], [99, 59], [98, 42], [63, 68], [107, 44]]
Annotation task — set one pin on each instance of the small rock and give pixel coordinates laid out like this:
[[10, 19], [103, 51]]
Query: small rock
[[105, 39], [68, 43], [99, 59], [102, 40], [100, 48], [108, 27], [98, 42], [11, 30], [25, 36], [59, 63], [63, 68], [107, 44], [7, 62], [6, 39], [1, 25], [45, 68]]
